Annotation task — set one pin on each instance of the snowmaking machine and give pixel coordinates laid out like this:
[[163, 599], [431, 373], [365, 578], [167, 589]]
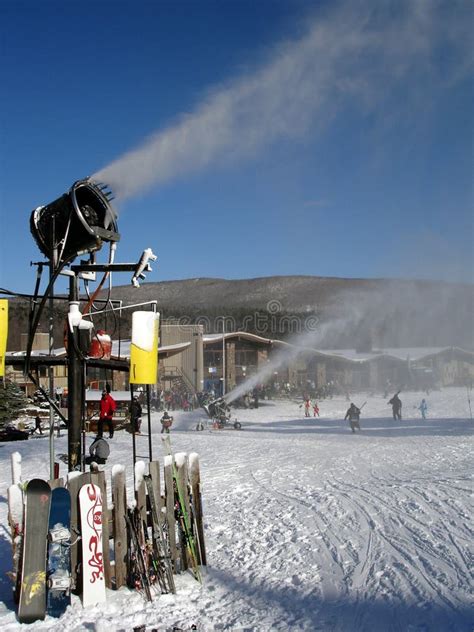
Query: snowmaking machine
[[218, 411]]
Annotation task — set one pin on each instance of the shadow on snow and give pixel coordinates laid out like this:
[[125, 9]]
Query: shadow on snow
[[290, 607]]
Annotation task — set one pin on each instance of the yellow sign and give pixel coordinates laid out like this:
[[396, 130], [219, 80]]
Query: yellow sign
[[3, 334], [144, 348]]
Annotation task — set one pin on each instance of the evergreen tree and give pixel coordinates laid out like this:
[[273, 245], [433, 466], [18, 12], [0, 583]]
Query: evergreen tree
[[12, 401]]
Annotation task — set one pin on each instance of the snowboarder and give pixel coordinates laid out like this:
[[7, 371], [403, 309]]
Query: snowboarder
[[99, 451], [396, 405], [315, 409], [307, 406], [135, 414], [423, 408], [166, 422], [353, 414], [107, 409]]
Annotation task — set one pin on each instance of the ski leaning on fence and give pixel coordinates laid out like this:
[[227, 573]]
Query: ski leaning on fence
[[164, 570], [184, 520], [90, 504], [32, 604], [138, 574], [59, 553]]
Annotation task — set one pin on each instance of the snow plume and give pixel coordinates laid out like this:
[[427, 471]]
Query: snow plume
[[403, 314], [288, 353], [358, 55]]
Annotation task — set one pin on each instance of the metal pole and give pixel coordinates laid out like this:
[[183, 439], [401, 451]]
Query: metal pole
[[223, 359], [134, 447], [52, 394], [74, 383], [83, 416], [148, 403]]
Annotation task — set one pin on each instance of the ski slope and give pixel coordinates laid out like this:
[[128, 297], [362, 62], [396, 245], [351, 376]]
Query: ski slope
[[308, 526]]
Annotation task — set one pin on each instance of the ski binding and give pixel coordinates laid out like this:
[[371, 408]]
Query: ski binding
[[61, 534]]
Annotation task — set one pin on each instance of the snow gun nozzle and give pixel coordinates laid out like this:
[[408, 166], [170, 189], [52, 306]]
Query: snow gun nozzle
[[78, 222]]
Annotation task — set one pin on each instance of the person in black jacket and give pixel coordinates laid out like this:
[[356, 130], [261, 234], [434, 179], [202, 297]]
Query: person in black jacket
[[396, 405], [353, 414], [135, 414]]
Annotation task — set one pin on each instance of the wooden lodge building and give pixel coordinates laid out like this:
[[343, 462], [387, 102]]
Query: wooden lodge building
[[199, 361]]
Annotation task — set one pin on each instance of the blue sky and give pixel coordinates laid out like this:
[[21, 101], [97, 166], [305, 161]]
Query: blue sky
[[268, 138]]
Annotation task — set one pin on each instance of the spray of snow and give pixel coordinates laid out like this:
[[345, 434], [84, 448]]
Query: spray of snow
[[286, 355], [357, 56]]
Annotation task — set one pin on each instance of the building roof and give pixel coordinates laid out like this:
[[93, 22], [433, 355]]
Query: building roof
[[237, 335], [402, 354], [118, 351], [94, 395]]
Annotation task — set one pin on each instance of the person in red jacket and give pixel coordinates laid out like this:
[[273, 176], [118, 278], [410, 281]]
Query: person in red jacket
[[107, 409]]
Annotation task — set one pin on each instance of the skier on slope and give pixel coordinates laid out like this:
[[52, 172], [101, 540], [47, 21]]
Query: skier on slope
[[315, 409], [396, 405], [307, 406], [353, 414], [423, 408], [166, 422]]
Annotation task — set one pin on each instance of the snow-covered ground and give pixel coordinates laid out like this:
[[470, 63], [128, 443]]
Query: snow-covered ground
[[308, 526]]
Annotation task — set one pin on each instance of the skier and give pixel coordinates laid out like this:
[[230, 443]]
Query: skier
[[99, 451], [396, 405], [315, 409], [135, 415], [307, 406], [423, 408], [353, 414], [166, 422], [107, 409]]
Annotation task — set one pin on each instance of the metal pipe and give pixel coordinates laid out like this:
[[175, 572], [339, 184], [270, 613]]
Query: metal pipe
[[51, 371], [148, 403], [75, 391], [118, 309]]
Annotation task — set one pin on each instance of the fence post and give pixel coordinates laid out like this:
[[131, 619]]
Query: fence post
[[119, 499]]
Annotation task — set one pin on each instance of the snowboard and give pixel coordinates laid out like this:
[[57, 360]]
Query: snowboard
[[32, 604], [59, 553], [90, 505]]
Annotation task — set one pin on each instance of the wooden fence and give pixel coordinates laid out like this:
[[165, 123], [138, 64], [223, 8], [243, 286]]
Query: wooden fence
[[178, 470]]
